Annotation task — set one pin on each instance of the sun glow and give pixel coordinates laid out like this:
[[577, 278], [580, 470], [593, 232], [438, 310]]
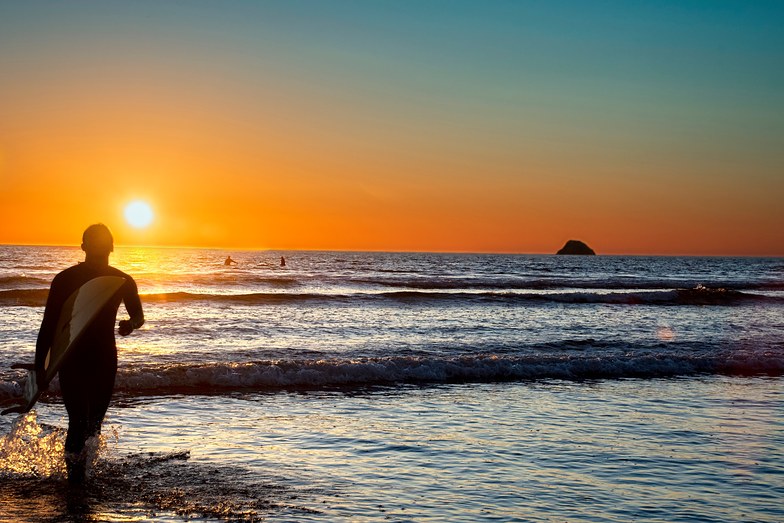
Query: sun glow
[[138, 214]]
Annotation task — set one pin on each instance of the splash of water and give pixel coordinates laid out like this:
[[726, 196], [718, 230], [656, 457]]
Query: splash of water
[[32, 450], [133, 487]]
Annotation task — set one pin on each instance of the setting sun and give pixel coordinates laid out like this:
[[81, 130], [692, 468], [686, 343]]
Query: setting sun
[[138, 214], [242, 132]]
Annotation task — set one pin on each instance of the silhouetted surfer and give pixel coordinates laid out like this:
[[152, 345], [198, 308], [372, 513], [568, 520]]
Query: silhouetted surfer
[[87, 376], [229, 261], [282, 261]]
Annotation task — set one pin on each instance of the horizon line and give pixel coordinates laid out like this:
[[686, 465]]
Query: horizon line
[[392, 251]]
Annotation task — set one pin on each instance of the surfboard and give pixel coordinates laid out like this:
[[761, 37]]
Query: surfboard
[[78, 312]]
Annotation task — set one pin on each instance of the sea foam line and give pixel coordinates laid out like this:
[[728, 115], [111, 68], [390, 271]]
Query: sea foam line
[[207, 378]]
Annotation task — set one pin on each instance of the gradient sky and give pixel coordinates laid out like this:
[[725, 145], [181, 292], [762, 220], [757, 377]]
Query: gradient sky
[[640, 127]]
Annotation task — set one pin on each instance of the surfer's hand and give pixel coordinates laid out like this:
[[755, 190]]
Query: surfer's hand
[[125, 327]]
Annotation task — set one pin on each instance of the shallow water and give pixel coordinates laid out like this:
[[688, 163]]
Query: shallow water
[[616, 450]]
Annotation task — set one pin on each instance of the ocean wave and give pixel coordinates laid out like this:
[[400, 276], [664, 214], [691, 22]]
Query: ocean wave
[[216, 378], [427, 369], [392, 279], [557, 283], [699, 295], [22, 282], [24, 297], [9, 389], [250, 298]]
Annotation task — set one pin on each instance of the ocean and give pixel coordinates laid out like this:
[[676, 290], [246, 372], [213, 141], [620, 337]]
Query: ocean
[[412, 387]]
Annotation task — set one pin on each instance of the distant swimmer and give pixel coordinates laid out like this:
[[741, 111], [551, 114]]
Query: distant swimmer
[[282, 261], [229, 261]]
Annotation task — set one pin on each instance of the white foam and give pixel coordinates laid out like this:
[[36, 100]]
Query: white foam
[[210, 378]]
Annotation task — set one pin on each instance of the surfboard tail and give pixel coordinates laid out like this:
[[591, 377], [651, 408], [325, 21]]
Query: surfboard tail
[[31, 391]]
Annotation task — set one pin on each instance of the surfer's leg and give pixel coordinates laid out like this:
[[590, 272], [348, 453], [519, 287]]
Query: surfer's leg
[[100, 397], [76, 400], [87, 389]]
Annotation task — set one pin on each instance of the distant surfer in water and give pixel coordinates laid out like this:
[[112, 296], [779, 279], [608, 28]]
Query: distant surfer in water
[[282, 261], [229, 261], [87, 376]]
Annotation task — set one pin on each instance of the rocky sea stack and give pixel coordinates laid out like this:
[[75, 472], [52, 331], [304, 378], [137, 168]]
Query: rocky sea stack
[[576, 247]]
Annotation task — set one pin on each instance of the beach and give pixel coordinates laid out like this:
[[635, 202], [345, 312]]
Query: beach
[[416, 387]]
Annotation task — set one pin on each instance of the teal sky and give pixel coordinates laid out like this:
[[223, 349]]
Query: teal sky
[[603, 95]]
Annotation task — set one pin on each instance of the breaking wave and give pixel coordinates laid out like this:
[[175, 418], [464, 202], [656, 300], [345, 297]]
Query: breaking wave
[[24, 297], [275, 375], [219, 378]]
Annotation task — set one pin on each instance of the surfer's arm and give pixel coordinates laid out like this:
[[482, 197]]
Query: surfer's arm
[[128, 326], [134, 307]]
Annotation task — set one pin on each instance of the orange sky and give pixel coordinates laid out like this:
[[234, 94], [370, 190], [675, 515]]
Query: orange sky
[[365, 141]]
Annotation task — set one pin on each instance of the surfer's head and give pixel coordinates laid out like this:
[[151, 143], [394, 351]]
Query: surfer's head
[[97, 239]]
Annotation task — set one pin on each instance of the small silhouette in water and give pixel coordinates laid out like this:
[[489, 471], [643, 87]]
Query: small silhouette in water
[[229, 261], [282, 261]]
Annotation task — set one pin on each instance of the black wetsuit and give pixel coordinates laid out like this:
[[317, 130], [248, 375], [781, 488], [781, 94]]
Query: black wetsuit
[[87, 375]]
